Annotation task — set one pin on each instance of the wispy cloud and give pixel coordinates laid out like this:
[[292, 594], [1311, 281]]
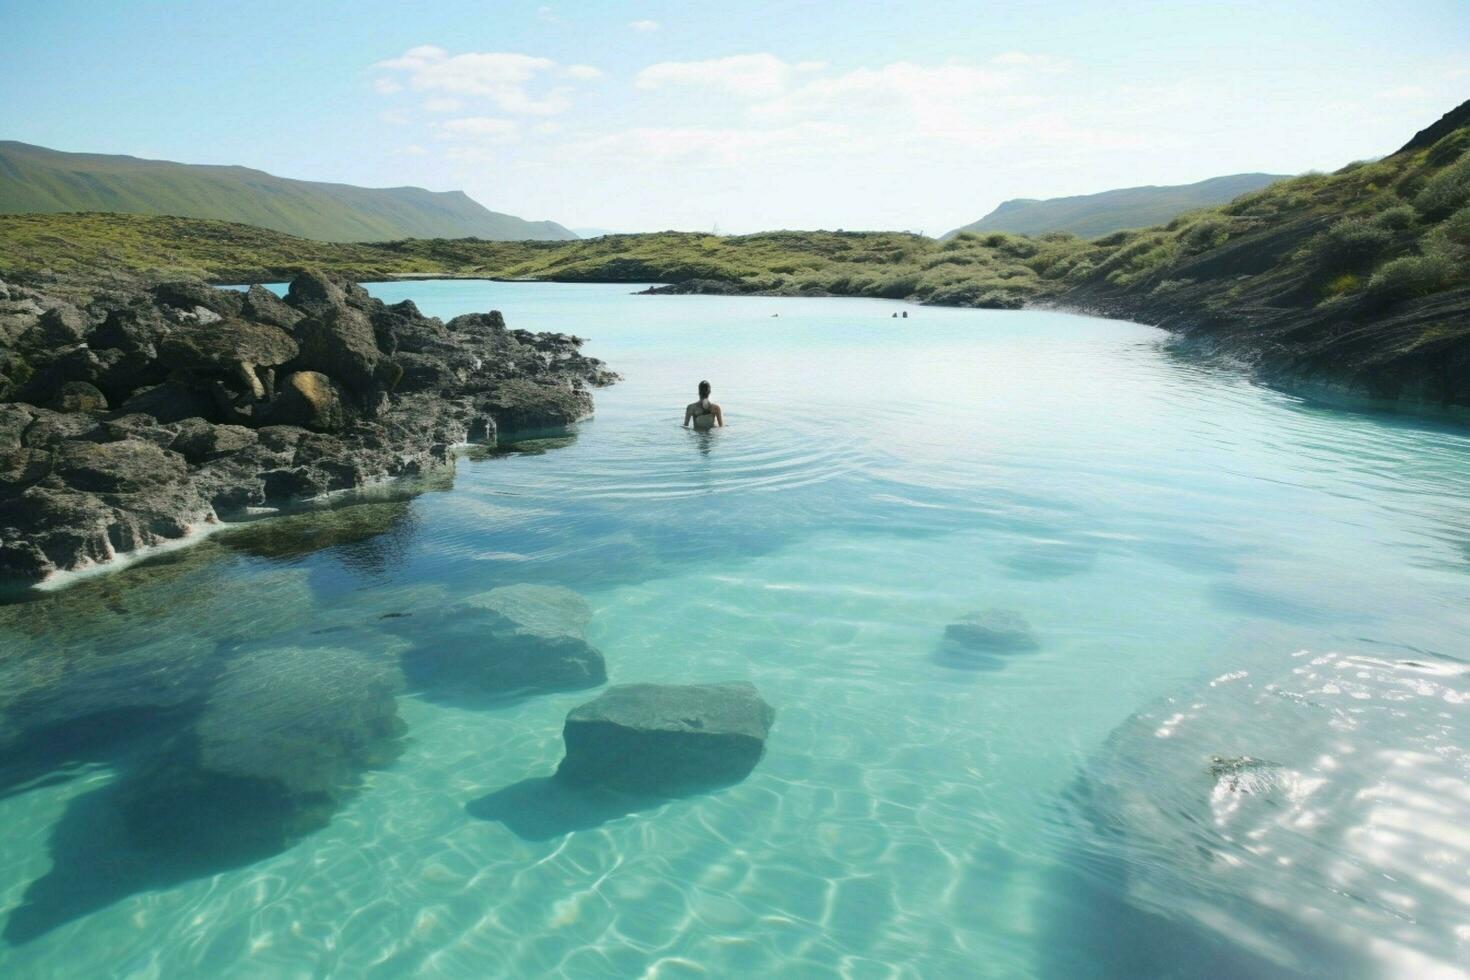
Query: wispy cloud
[[514, 83], [751, 76], [644, 26], [484, 129]]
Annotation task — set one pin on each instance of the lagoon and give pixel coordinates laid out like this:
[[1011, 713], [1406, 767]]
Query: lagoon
[[1237, 741]]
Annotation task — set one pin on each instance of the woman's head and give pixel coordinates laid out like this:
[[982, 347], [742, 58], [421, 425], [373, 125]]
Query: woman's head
[[704, 389]]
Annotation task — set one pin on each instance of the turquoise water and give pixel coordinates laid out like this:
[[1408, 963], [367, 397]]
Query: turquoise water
[[1209, 568]]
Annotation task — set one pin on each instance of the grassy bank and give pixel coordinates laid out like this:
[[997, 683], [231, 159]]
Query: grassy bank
[[1390, 230]]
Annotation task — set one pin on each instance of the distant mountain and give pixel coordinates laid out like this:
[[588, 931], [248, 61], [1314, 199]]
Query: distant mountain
[[34, 179], [593, 232], [1093, 215]]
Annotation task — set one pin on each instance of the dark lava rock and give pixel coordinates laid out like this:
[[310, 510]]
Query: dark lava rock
[[200, 441], [313, 401], [79, 396], [233, 348], [198, 402], [127, 466], [666, 738], [172, 401], [523, 409], [282, 742], [340, 343], [264, 306], [511, 640]]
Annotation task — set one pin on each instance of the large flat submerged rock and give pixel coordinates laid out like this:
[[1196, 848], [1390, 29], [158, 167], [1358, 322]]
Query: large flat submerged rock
[[515, 639], [666, 738]]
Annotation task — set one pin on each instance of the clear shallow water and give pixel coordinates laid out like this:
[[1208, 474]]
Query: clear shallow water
[[1211, 569]]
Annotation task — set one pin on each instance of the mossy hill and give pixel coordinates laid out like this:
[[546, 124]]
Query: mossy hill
[[34, 179]]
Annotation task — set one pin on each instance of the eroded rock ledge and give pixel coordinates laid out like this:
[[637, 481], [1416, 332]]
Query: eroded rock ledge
[[134, 413]]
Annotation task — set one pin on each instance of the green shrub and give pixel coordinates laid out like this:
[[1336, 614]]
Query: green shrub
[[1446, 191], [1456, 228], [1396, 218], [1344, 284], [1204, 235], [1411, 276], [1449, 148], [1350, 245]]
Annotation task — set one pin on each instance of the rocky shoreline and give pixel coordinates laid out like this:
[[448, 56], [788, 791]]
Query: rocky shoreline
[[135, 413]]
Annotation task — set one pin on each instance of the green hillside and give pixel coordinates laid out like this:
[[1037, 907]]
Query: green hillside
[[34, 179], [1094, 215]]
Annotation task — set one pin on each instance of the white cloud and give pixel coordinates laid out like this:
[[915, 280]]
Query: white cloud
[[644, 26], [752, 76], [386, 86], [394, 117], [506, 79], [443, 104], [413, 150], [583, 73], [484, 129], [547, 128]]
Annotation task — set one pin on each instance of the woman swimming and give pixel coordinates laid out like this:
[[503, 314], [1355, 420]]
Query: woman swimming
[[704, 413]]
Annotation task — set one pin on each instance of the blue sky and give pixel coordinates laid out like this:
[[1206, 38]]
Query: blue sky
[[639, 115]]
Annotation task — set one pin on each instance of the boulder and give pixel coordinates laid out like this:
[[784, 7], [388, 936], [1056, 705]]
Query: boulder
[[665, 739], [19, 468], [79, 396], [311, 400], [281, 743], [340, 343], [401, 327], [512, 639], [523, 408], [171, 401], [60, 326], [314, 293], [231, 348], [127, 466], [43, 529], [200, 441], [14, 420], [48, 428], [139, 425], [188, 297], [264, 306]]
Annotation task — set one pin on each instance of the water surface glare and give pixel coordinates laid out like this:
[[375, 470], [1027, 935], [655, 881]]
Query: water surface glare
[[1232, 744]]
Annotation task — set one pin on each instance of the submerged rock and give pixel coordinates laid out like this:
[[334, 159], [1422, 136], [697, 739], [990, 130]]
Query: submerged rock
[[992, 631], [282, 742], [512, 639], [666, 738], [983, 640]]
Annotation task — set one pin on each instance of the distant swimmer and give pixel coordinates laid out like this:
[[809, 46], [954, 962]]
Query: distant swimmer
[[704, 413]]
